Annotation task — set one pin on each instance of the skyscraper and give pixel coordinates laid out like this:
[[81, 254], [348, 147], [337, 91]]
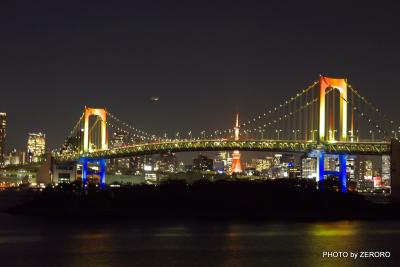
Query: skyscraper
[[166, 162], [309, 168], [202, 163], [119, 139], [3, 124], [36, 147], [386, 170]]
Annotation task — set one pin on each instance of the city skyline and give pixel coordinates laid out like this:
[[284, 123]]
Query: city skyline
[[211, 66], [199, 133]]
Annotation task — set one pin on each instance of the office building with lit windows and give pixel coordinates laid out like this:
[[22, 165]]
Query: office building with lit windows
[[36, 147], [385, 170], [309, 168]]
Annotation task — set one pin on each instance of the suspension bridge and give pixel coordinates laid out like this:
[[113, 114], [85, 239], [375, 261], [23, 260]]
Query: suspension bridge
[[328, 117]]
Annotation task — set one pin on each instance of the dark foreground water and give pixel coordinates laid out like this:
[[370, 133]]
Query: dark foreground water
[[55, 242]]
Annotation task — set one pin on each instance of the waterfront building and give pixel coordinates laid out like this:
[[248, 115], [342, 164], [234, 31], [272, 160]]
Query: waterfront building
[[260, 164], [309, 168], [385, 170], [181, 167], [365, 181], [331, 162], [166, 162], [288, 167], [202, 163], [14, 158], [222, 162], [36, 146], [351, 174], [119, 139]]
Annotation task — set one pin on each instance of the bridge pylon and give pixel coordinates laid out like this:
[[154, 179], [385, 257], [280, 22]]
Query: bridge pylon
[[102, 114], [341, 86]]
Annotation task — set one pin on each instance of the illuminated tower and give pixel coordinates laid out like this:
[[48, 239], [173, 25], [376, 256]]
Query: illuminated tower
[[3, 122], [236, 165], [341, 86], [99, 112]]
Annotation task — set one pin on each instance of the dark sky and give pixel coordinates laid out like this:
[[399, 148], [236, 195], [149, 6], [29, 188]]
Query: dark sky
[[206, 60]]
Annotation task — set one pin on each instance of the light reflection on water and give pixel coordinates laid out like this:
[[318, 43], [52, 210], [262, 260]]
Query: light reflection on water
[[128, 243]]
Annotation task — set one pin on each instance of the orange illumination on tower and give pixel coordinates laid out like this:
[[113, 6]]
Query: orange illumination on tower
[[341, 86], [236, 165], [102, 113]]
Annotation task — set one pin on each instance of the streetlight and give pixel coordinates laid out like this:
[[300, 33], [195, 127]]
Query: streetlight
[[295, 133], [278, 131], [262, 134], [351, 136], [372, 135]]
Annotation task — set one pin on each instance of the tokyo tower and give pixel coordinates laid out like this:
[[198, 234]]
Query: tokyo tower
[[236, 165]]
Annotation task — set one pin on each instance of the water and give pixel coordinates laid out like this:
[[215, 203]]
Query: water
[[58, 242]]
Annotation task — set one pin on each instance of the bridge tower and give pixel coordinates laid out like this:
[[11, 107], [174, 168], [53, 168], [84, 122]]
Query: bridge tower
[[102, 114], [236, 164], [341, 85]]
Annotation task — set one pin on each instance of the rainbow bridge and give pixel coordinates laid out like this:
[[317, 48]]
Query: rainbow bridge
[[330, 119]]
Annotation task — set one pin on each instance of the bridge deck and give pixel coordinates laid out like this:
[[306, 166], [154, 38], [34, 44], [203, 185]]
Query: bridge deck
[[371, 148]]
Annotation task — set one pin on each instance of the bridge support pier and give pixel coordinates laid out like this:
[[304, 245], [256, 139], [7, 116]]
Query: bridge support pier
[[341, 174], [101, 172]]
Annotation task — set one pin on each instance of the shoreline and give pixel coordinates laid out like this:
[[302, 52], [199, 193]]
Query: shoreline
[[226, 200]]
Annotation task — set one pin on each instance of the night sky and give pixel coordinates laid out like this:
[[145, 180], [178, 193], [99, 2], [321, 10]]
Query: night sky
[[205, 60]]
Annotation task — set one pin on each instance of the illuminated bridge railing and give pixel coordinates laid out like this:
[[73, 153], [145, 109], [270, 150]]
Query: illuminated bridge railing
[[375, 148], [196, 145], [359, 148]]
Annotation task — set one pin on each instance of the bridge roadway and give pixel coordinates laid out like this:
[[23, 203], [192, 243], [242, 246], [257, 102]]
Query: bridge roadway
[[358, 148]]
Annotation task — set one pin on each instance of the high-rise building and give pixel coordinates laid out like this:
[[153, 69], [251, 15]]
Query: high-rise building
[[331, 162], [385, 170], [202, 163], [259, 164], [365, 176], [166, 162], [220, 161], [277, 160], [263, 164], [351, 173], [288, 166], [36, 147], [366, 169], [3, 124], [74, 143], [309, 168], [351, 169], [119, 139]]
